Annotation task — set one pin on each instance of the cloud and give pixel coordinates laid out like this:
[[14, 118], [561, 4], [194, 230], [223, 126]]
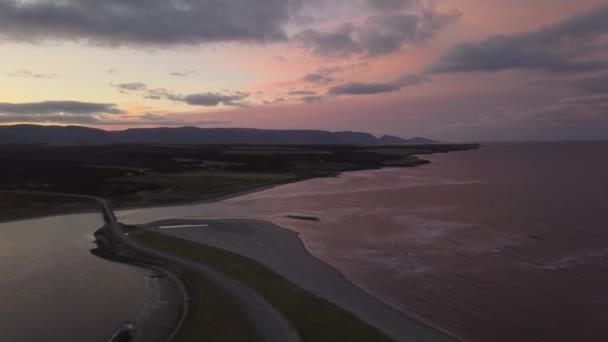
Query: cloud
[[57, 111], [86, 113], [145, 22], [274, 101], [337, 43], [379, 35], [585, 98], [567, 46], [361, 88], [592, 84], [318, 78], [202, 99], [323, 75], [302, 92], [215, 99], [59, 107], [130, 87], [571, 109], [162, 94], [390, 5], [29, 74], [312, 99], [183, 73]]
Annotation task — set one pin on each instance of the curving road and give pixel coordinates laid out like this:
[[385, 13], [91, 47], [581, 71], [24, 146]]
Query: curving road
[[270, 324]]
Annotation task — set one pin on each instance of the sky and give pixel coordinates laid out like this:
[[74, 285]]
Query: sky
[[454, 70]]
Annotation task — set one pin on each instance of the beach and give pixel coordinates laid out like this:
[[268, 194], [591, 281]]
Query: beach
[[282, 251]]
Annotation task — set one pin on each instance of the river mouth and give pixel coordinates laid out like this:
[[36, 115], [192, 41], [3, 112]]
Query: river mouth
[[54, 288]]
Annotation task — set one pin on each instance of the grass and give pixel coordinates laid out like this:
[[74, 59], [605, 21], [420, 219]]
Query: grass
[[200, 185], [213, 315], [14, 206], [314, 318], [167, 174]]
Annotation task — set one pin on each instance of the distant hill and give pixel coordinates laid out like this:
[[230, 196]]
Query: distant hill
[[419, 141], [34, 134], [391, 140]]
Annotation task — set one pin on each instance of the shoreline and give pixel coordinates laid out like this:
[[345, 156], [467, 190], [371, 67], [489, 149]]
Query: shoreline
[[163, 286], [283, 251], [179, 283]]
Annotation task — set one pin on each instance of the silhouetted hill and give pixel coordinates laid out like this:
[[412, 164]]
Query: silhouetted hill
[[418, 140], [34, 134]]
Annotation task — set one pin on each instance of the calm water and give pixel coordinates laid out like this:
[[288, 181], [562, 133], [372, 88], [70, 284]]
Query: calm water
[[508, 243], [53, 289]]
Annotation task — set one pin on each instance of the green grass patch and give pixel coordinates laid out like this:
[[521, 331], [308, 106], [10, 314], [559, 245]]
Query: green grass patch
[[200, 185], [213, 315], [314, 318]]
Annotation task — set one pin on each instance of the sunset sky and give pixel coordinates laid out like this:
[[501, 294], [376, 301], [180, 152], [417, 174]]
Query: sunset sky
[[448, 69]]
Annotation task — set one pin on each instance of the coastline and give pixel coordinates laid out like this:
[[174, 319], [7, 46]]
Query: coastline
[[416, 322], [167, 304], [283, 251]]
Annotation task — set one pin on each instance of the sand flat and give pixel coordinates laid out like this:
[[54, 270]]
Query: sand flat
[[282, 251]]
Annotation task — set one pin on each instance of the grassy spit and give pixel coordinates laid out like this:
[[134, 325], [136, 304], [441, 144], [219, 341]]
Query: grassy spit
[[212, 314], [315, 319]]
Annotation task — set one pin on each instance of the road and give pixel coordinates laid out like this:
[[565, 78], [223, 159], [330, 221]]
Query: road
[[269, 323]]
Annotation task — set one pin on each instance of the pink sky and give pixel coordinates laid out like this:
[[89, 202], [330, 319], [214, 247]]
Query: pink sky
[[382, 66]]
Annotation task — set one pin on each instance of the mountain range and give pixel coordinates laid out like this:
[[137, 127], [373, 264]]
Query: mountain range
[[37, 134]]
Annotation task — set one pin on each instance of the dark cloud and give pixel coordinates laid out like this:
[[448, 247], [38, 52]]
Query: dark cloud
[[312, 99], [380, 34], [302, 92], [567, 46], [337, 43], [322, 76], [360, 88], [390, 5], [59, 107], [145, 22], [61, 119], [57, 111], [214, 99]]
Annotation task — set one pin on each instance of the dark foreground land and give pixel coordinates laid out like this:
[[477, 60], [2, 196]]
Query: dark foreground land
[[140, 175]]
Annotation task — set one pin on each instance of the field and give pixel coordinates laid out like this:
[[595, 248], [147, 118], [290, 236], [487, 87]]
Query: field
[[139, 175]]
